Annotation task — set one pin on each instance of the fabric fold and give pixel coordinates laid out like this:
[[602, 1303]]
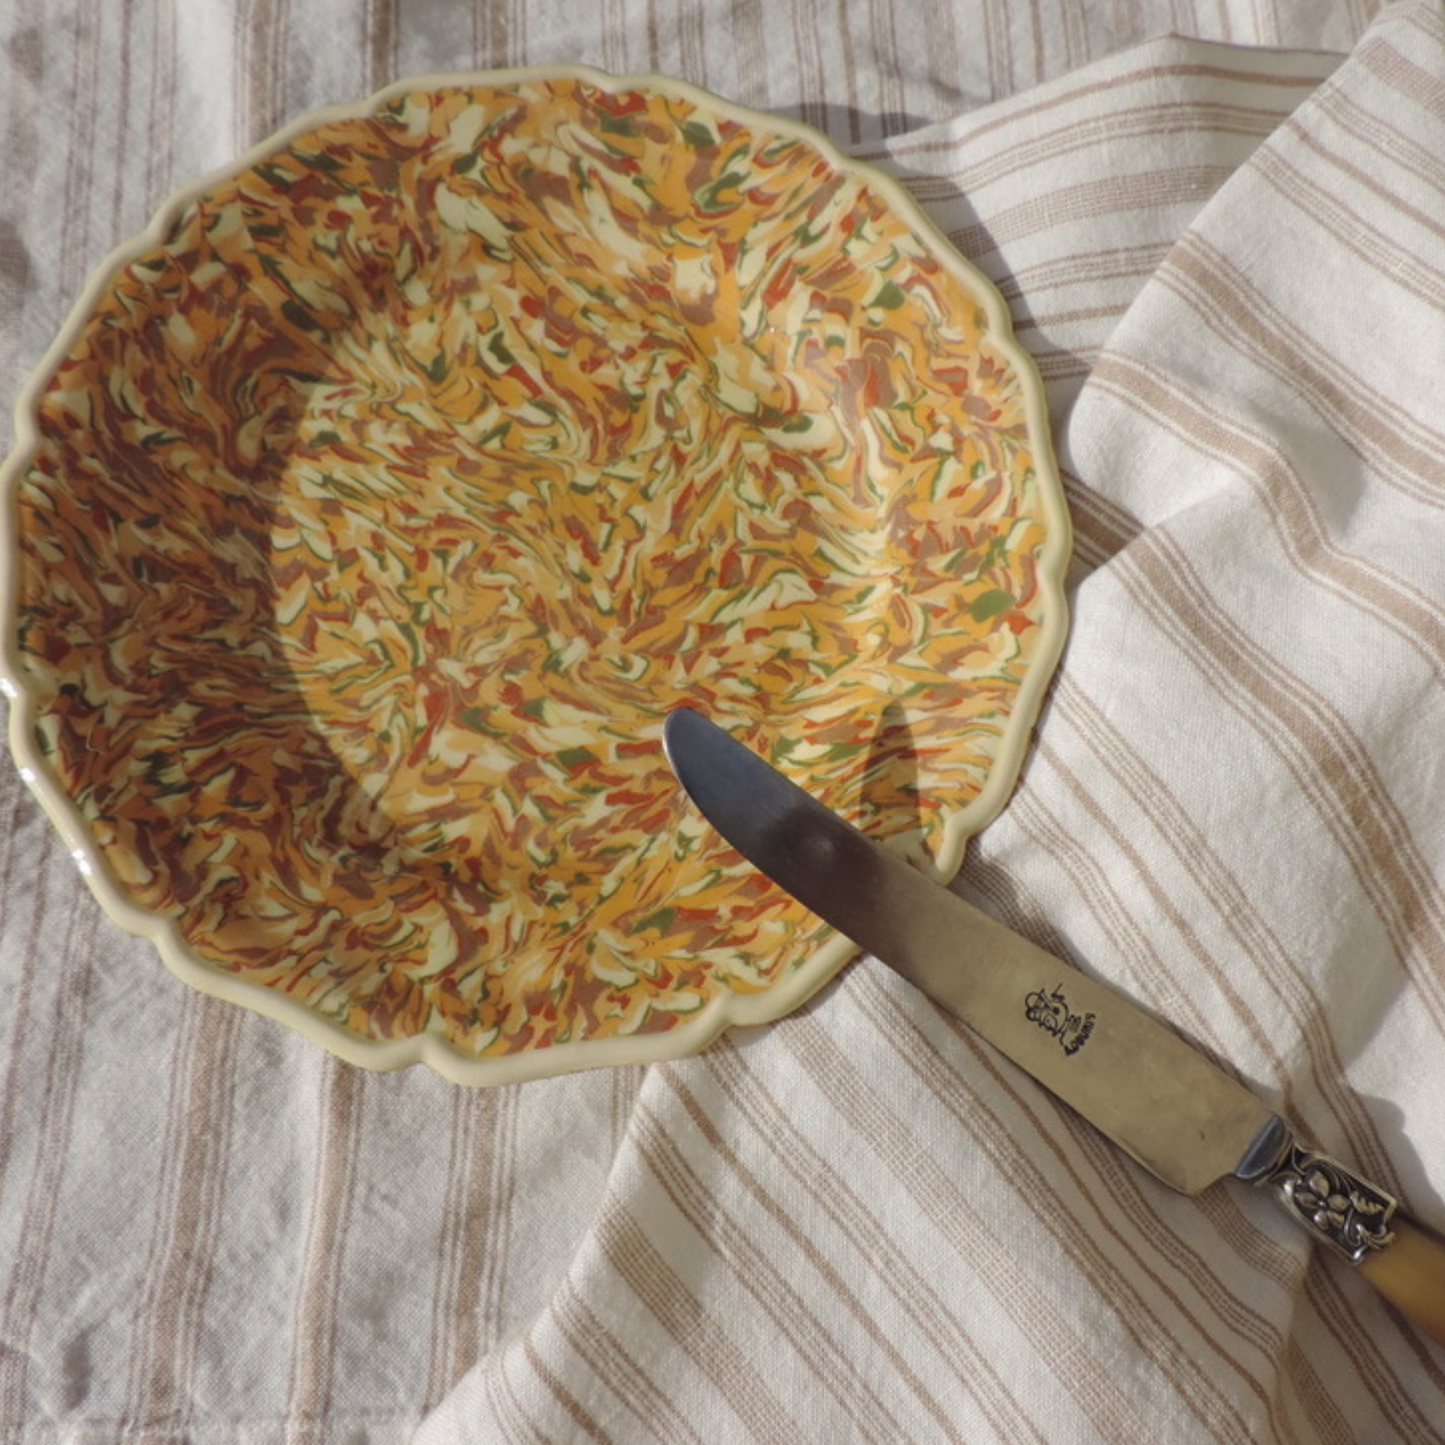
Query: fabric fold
[[859, 1223]]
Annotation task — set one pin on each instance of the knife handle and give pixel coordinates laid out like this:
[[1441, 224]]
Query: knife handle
[[1410, 1273], [1402, 1259]]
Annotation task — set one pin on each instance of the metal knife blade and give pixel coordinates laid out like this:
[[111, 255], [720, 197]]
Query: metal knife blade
[[1142, 1085]]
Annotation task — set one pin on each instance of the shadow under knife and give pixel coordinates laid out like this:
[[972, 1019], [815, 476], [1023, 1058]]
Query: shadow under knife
[[889, 806]]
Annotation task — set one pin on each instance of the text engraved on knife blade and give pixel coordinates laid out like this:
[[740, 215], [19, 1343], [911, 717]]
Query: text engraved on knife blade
[[1145, 1087], [1051, 1012]]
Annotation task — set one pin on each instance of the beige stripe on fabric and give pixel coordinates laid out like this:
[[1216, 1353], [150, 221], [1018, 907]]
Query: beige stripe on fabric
[[1371, 1356], [932, 26], [382, 33], [1258, 461], [503, 1412], [701, 1336], [612, 24], [500, 33], [694, 57], [1074, 102], [1130, 264], [1025, 1298], [1084, 1230], [1398, 145], [1174, 832], [996, 44], [1406, 453], [16, 1080], [53, 1104], [163, 77], [1301, 1404], [1378, 1358], [21, 139], [654, 1413], [584, 1425], [826, 1192], [1384, 57], [1069, 205], [190, 1201], [311, 1392], [506, 1411], [1318, 745], [812, 66], [489, 1257], [122, 51], [1352, 228], [261, 49], [889, 100], [471, 1243], [736, 1270], [796, 1320], [1101, 527], [1140, 125], [1118, 888], [749, 39], [73, 253], [844, 116]]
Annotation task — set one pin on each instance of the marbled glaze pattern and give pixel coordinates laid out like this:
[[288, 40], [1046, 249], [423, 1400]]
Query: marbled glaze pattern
[[381, 514]]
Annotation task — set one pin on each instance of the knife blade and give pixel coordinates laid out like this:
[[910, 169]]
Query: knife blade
[[1160, 1099]]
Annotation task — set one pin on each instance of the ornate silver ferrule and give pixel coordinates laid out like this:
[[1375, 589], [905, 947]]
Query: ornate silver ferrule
[[1348, 1213]]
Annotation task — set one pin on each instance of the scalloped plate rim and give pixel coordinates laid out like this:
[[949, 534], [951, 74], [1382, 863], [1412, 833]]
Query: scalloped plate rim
[[727, 1010]]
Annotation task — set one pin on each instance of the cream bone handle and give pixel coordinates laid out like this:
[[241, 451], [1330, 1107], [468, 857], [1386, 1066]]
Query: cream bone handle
[[1360, 1221]]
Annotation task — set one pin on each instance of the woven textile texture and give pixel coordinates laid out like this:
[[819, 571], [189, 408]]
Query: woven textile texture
[[1220, 229]]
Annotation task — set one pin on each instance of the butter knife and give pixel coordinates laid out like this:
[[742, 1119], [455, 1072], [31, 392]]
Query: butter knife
[[1156, 1096]]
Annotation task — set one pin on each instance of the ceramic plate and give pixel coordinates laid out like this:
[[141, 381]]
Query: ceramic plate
[[378, 503]]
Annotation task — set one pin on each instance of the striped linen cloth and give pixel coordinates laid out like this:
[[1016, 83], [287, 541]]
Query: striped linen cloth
[[1220, 226]]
